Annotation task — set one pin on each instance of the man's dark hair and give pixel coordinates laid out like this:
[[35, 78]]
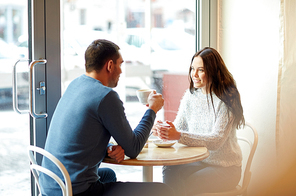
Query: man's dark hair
[[98, 53]]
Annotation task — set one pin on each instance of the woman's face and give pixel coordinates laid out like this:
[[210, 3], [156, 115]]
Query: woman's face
[[198, 75]]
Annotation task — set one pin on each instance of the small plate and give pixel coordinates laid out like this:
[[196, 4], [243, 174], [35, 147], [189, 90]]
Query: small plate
[[164, 144]]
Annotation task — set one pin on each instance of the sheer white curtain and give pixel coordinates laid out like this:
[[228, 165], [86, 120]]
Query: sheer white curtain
[[258, 43], [286, 99]]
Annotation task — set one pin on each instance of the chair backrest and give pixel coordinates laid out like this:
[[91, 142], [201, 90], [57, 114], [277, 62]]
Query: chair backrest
[[35, 168], [253, 146], [246, 176]]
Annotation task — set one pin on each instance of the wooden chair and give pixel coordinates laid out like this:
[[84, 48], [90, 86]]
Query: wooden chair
[[241, 189], [35, 169]]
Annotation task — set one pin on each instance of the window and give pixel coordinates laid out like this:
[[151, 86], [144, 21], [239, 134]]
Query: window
[[82, 16], [156, 40]]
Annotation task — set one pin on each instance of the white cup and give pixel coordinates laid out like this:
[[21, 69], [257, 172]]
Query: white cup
[[143, 95], [163, 124]]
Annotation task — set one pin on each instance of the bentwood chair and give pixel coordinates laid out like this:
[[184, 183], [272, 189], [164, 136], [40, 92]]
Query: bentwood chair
[[35, 169], [241, 189]]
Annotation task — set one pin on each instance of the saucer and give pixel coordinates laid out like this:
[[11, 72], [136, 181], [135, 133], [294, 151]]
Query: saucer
[[164, 144]]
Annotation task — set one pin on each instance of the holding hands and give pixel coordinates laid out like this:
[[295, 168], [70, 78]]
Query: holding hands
[[165, 130]]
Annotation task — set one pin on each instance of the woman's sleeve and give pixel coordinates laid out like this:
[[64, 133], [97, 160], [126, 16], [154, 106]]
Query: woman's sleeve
[[219, 134], [180, 121]]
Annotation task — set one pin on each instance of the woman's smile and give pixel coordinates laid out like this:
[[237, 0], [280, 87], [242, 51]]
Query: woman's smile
[[195, 80]]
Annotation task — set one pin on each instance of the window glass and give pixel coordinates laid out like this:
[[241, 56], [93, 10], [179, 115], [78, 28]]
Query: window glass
[[157, 41], [14, 128]]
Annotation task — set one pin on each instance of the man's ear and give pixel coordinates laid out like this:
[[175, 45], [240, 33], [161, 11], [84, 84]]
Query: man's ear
[[110, 65]]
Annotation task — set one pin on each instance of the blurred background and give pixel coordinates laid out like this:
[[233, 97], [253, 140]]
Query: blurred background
[[256, 39]]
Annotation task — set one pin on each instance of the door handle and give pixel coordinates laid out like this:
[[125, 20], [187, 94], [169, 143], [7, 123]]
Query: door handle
[[14, 89], [32, 90]]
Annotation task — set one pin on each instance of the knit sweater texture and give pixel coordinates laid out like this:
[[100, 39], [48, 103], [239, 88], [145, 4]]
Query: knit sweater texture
[[201, 124]]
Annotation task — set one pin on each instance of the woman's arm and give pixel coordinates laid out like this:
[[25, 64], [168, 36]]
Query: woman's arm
[[218, 135], [180, 121]]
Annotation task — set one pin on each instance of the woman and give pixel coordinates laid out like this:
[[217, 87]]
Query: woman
[[209, 114]]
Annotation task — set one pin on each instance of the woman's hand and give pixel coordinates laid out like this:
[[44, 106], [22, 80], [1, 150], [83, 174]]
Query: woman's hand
[[155, 128], [168, 132], [116, 152]]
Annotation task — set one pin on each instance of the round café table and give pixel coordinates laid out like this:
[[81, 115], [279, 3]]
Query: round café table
[[158, 156]]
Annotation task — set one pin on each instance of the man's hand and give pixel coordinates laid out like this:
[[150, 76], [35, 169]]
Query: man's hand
[[155, 101], [116, 153]]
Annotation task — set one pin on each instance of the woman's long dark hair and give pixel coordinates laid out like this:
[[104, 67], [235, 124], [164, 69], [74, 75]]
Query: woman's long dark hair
[[221, 83]]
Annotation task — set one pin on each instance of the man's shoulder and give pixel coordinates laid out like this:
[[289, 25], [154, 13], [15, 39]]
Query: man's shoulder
[[88, 83], [111, 95]]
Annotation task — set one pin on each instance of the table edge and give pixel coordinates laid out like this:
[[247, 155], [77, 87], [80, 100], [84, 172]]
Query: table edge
[[135, 162]]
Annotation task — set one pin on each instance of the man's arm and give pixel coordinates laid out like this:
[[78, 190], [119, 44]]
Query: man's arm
[[112, 116]]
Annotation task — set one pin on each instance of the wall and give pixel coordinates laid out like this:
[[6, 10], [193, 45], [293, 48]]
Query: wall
[[249, 42]]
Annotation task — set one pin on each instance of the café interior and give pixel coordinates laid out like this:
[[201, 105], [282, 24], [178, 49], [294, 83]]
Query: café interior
[[257, 41]]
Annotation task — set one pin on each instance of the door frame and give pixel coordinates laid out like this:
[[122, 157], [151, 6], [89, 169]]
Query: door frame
[[44, 43]]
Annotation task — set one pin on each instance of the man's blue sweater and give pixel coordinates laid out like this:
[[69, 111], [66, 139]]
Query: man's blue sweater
[[87, 115]]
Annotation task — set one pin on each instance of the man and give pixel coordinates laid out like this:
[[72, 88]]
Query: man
[[87, 115]]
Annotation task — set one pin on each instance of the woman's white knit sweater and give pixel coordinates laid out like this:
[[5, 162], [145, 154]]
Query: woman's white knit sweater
[[202, 125]]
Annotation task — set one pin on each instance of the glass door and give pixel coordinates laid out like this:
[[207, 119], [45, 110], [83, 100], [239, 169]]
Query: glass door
[[27, 34], [14, 128]]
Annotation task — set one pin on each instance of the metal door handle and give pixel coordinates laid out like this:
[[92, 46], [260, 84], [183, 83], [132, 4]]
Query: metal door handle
[[32, 90], [14, 90]]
